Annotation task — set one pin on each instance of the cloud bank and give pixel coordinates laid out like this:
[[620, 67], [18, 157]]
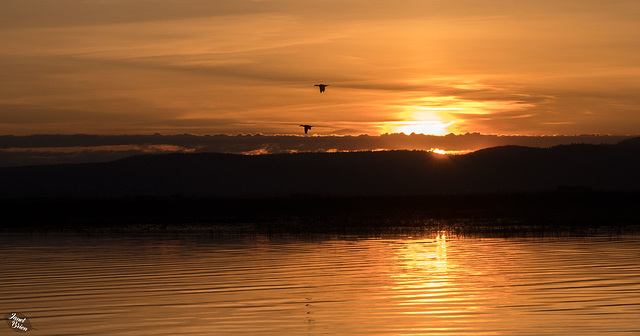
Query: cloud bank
[[81, 148]]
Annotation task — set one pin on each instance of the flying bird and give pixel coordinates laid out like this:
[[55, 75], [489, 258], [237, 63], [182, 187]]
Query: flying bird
[[306, 128], [322, 87]]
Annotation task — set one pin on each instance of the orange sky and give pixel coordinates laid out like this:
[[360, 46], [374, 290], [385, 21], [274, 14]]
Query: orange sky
[[248, 66]]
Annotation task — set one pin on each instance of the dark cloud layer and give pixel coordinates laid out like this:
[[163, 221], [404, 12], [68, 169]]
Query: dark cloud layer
[[55, 149]]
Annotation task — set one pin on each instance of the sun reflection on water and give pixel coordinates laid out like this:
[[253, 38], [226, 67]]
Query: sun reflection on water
[[273, 285], [424, 282], [422, 263]]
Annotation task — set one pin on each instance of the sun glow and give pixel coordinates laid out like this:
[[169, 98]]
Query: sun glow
[[423, 127], [421, 119]]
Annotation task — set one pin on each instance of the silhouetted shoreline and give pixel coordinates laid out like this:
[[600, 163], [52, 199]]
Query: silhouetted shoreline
[[532, 213], [584, 189], [384, 173]]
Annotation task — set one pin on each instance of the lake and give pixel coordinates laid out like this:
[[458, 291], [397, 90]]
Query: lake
[[436, 284]]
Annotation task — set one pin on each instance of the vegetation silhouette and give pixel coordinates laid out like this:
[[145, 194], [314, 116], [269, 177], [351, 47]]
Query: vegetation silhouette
[[502, 191], [495, 214]]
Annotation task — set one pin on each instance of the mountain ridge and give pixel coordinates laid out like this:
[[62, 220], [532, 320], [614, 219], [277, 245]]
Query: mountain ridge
[[362, 173]]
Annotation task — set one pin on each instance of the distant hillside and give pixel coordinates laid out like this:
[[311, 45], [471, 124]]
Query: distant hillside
[[509, 168], [43, 149]]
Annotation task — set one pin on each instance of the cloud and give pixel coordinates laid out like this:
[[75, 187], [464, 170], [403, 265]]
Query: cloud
[[73, 13], [249, 66]]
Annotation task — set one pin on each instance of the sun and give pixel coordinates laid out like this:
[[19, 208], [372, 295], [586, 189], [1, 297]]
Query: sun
[[439, 151], [423, 127], [430, 120]]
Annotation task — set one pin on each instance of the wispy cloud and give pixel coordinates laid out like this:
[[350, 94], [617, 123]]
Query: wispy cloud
[[500, 66]]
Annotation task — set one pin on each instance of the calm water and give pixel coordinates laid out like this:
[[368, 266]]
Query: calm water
[[435, 285]]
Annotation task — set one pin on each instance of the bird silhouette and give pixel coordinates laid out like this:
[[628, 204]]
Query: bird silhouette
[[322, 87], [306, 128]]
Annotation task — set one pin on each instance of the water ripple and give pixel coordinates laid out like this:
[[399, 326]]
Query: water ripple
[[70, 285]]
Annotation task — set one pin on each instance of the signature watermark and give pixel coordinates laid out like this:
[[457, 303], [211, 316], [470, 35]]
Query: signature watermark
[[18, 322]]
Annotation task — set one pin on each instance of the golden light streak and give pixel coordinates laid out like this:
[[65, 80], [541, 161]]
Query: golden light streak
[[439, 151]]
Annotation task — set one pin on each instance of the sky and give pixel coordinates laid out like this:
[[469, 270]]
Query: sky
[[249, 66]]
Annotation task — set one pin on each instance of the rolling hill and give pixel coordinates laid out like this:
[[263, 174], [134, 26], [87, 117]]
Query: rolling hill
[[498, 169]]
